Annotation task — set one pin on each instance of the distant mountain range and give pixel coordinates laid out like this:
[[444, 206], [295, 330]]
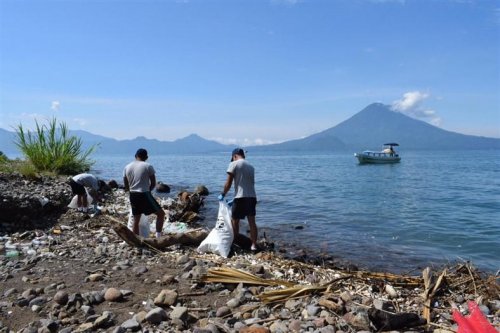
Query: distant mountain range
[[378, 124], [368, 129]]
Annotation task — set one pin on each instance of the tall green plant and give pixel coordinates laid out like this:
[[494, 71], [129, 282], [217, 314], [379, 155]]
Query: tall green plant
[[53, 150]]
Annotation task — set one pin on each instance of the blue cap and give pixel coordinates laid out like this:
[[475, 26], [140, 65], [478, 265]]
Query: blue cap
[[238, 151]]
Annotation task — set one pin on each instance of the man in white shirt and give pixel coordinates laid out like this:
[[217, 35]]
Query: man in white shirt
[[245, 199], [139, 178]]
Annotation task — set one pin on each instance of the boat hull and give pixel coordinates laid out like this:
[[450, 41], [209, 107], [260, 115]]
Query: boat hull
[[376, 158]]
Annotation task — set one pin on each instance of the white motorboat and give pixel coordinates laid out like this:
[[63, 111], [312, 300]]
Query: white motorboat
[[387, 155]]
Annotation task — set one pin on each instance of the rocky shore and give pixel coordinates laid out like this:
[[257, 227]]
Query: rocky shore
[[65, 271]]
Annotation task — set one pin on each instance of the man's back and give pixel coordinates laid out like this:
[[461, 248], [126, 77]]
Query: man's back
[[138, 174], [244, 178]]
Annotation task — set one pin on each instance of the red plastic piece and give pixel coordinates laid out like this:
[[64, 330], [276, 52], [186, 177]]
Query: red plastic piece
[[475, 323]]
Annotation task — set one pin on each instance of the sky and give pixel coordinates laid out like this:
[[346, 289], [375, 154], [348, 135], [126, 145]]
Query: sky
[[247, 71]]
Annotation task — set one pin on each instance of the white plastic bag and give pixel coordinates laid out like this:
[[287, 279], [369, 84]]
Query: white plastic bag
[[219, 240], [74, 201], [143, 225]]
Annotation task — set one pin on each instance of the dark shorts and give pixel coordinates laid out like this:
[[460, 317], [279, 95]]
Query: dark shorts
[[76, 188], [143, 203], [243, 207]]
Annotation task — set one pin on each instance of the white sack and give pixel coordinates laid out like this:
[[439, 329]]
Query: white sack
[[74, 201], [219, 240], [143, 225]]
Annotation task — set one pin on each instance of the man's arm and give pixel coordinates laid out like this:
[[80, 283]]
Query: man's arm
[[152, 182], [125, 183], [229, 182]]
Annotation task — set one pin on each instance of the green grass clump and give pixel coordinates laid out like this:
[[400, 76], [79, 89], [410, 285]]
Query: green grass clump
[[51, 149]]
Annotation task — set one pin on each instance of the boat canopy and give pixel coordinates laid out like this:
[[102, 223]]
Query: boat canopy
[[391, 144]]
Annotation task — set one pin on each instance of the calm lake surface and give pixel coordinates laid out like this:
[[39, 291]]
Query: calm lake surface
[[430, 209]]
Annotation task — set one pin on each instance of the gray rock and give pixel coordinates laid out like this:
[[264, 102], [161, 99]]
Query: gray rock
[[104, 320], [156, 316], [131, 324], [182, 259], [327, 329], [87, 310], [49, 324], [140, 270], [179, 312], [233, 303], [278, 327], [10, 292], [358, 320], [40, 300], [312, 310]]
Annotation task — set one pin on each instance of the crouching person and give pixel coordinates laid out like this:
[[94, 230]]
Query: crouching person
[[79, 184]]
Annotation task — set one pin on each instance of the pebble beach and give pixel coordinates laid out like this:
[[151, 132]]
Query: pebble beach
[[65, 271]]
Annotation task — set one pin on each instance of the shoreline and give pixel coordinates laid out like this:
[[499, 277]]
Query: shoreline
[[83, 258]]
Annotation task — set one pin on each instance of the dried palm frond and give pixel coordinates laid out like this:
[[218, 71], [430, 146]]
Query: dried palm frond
[[297, 291], [289, 293], [231, 275]]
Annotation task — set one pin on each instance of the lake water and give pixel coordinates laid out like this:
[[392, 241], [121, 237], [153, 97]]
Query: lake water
[[430, 209]]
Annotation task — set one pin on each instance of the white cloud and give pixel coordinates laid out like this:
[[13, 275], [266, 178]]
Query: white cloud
[[411, 100], [56, 105], [411, 105]]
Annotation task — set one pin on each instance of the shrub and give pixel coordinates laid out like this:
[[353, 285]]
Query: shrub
[[53, 150]]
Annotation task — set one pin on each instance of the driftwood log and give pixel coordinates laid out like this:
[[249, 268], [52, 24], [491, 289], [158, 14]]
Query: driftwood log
[[190, 238]]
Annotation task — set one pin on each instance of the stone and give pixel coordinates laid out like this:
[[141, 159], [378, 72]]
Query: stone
[[131, 324], [181, 260], [167, 279], [49, 324], [61, 297], [140, 316], [85, 327], [29, 293], [156, 316], [233, 303], [223, 311], [201, 190], [162, 188], [312, 310], [140, 270], [295, 325], [278, 327], [10, 292], [104, 320], [358, 320], [179, 312], [40, 300], [96, 277], [113, 295], [166, 298]]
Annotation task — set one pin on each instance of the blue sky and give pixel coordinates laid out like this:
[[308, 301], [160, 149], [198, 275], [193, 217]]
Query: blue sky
[[247, 72]]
